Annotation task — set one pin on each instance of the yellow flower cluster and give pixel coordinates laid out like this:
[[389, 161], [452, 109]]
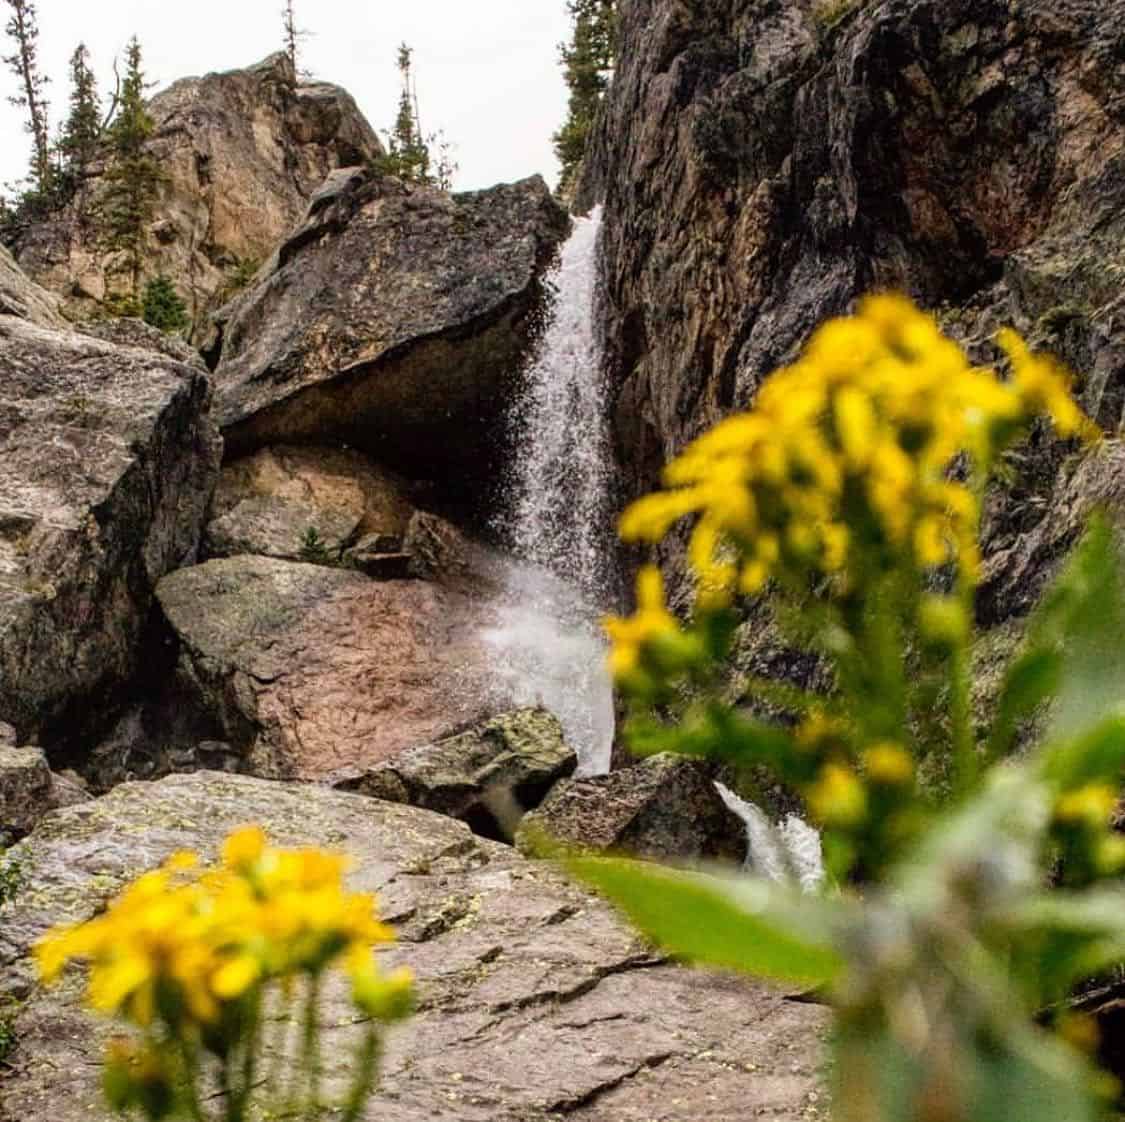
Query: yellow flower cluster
[[848, 452], [1082, 827], [182, 943], [652, 620]]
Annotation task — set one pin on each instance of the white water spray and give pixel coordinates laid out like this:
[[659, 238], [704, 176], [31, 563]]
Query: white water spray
[[547, 639]]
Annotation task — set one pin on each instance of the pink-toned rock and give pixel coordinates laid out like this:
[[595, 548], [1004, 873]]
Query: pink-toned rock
[[312, 671]]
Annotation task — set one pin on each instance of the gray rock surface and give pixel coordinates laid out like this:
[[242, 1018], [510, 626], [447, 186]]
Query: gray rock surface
[[25, 788], [665, 808], [22, 298], [29, 790], [311, 671], [488, 776], [107, 461], [537, 1005], [393, 319], [137, 333], [241, 153]]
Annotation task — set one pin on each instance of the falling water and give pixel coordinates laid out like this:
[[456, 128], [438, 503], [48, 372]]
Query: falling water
[[547, 638]]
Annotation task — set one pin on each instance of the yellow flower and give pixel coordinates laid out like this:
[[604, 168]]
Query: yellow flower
[[837, 799], [860, 433], [1090, 806], [888, 764], [183, 948], [629, 636], [244, 847]]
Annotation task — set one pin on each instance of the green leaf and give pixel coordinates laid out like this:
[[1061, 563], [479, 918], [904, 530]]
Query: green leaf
[[1097, 756], [1083, 617], [1070, 936], [735, 924], [1031, 679]]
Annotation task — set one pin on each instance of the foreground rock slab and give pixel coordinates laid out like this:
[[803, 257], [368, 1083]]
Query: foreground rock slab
[[489, 776], [313, 671], [394, 319], [665, 808], [537, 1004], [107, 461]]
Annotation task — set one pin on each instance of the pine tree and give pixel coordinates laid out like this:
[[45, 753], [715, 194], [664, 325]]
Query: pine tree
[[292, 35], [408, 147], [162, 306], [133, 177], [23, 29], [82, 130], [585, 60]]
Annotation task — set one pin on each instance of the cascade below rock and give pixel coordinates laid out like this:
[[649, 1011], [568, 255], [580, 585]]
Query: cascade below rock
[[556, 519]]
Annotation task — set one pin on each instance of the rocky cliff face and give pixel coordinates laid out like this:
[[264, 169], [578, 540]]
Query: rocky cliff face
[[765, 162], [393, 318], [242, 152]]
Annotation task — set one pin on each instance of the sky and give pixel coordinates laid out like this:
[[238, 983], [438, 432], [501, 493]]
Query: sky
[[486, 70]]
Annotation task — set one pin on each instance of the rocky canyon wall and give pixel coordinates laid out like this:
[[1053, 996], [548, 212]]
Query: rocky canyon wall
[[765, 162]]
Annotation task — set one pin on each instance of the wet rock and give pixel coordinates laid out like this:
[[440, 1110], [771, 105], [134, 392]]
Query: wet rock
[[394, 319], [310, 671], [489, 776], [107, 461], [665, 808], [536, 1002], [240, 153], [436, 548]]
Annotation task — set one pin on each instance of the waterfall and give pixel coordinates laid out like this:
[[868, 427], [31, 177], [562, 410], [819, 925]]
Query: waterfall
[[547, 639]]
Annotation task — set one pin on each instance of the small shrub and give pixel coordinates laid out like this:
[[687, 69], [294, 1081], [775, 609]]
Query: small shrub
[[162, 307], [13, 874], [314, 549]]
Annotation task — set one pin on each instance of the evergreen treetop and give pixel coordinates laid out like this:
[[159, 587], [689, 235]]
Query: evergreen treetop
[[23, 30], [82, 130], [586, 60], [134, 175]]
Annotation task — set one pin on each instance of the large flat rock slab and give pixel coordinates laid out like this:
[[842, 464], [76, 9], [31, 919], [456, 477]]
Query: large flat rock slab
[[313, 671], [536, 1003], [108, 457], [394, 319]]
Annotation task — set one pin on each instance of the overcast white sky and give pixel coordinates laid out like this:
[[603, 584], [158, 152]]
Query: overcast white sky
[[487, 69]]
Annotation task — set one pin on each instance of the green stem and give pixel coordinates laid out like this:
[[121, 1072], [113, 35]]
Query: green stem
[[370, 1053], [280, 1039], [250, 1052], [191, 1079], [966, 765], [310, 1053]]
